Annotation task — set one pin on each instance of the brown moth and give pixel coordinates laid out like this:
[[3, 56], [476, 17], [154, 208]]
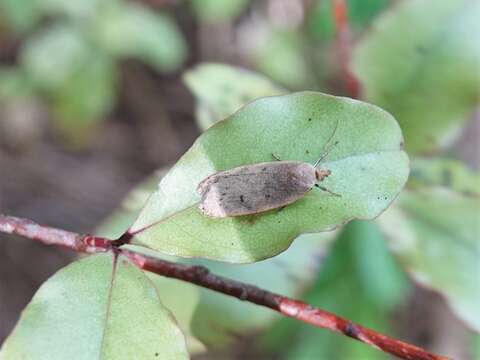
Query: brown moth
[[251, 189]]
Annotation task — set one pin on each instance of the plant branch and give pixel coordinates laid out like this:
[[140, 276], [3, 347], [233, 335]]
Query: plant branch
[[53, 236], [201, 276], [343, 45]]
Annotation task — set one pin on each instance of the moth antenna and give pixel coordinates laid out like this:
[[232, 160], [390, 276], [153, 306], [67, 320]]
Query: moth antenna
[[328, 191], [327, 151]]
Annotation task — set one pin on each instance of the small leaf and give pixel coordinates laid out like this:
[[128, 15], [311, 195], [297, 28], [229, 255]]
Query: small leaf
[[421, 62], [281, 57], [131, 30], [89, 93], [218, 11], [222, 89], [368, 170], [51, 56], [434, 232], [96, 308]]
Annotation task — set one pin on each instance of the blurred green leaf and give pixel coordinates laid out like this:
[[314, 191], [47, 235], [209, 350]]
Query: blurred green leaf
[[222, 89], [282, 58], [434, 232], [131, 30], [96, 308], [320, 20], [421, 62], [368, 170], [88, 95], [361, 12], [52, 56], [359, 281], [217, 11], [20, 15], [444, 172]]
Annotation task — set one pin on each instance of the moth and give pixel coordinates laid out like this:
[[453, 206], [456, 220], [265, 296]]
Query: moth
[[252, 189]]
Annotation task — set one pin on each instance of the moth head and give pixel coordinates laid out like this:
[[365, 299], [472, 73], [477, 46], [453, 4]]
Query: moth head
[[321, 174]]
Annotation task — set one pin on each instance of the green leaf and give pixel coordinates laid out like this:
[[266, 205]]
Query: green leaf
[[131, 30], [282, 58], [89, 94], [434, 232], [421, 62], [361, 12], [222, 89], [359, 281], [368, 170], [51, 56], [96, 308], [218, 11]]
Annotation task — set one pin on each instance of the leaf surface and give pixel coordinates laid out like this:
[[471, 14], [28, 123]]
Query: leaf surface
[[96, 308], [368, 167], [222, 89]]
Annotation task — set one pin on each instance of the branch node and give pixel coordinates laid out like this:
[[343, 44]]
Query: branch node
[[200, 271], [351, 330]]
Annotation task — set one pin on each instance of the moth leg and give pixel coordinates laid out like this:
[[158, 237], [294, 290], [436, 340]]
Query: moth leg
[[276, 157], [328, 191], [280, 209]]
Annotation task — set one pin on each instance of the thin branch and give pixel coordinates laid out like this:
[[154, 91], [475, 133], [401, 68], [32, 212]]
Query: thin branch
[[53, 236], [296, 309], [343, 45], [201, 276]]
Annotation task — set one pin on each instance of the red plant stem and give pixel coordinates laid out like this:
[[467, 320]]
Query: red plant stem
[[201, 276], [343, 44], [53, 236]]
